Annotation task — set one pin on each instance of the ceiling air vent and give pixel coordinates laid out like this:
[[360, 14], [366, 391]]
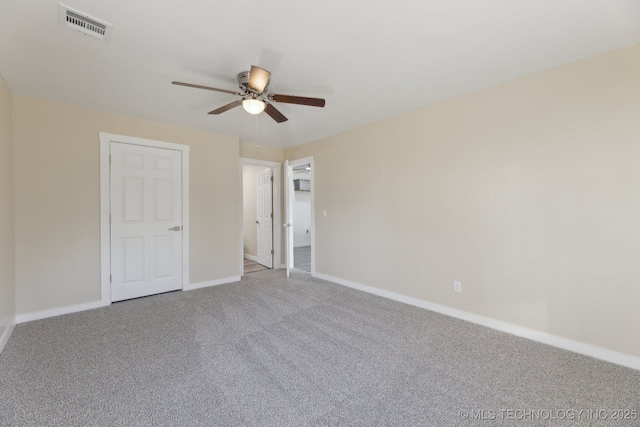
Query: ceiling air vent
[[84, 23]]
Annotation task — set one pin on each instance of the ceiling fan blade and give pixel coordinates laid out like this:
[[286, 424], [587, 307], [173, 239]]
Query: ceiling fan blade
[[227, 107], [215, 89], [258, 79], [300, 100], [275, 114]]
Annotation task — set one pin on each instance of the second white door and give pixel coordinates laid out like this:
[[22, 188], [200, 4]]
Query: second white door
[[265, 217]]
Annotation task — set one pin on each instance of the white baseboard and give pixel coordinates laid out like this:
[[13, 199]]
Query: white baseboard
[[510, 328], [208, 283], [28, 317], [251, 257], [8, 330]]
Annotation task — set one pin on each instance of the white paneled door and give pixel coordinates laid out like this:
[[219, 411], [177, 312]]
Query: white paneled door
[[146, 220], [265, 218]]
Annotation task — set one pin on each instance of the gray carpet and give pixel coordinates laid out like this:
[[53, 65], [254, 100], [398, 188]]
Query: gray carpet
[[302, 258], [302, 352]]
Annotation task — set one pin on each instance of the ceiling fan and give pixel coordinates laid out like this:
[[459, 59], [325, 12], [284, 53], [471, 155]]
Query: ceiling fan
[[254, 98]]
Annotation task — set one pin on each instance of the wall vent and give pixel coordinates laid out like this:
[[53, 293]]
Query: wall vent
[[84, 23]]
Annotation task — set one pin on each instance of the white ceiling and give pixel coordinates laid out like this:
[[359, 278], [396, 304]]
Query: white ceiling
[[370, 59]]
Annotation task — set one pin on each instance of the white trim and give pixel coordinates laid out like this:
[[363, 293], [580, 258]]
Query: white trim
[[185, 215], [105, 229], [312, 228], [209, 283], [510, 328], [276, 206], [105, 206], [251, 257], [302, 245], [7, 333], [110, 137], [37, 315]]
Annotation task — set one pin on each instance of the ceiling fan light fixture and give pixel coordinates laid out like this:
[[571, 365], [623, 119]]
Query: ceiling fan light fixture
[[258, 79], [253, 106]]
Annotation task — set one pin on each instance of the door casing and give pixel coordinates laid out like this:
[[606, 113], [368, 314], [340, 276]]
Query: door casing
[[105, 206]]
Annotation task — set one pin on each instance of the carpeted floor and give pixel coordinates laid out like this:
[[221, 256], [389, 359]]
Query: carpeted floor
[[268, 351]]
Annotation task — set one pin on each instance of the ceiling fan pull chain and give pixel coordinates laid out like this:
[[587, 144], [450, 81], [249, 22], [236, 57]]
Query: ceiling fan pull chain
[[256, 139]]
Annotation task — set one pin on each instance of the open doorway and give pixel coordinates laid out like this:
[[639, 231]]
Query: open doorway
[[299, 212], [260, 241], [302, 217]]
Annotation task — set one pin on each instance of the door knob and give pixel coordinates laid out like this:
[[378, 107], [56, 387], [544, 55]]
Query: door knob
[[286, 225], [257, 222], [176, 228]]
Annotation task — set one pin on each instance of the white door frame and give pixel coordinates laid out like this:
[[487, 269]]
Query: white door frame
[[105, 206], [277, 215], [312, 228]]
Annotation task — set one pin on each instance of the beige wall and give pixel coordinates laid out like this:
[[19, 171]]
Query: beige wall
[[250, 209], [57, 200], [527, 192], [7, 274], [259, 152]]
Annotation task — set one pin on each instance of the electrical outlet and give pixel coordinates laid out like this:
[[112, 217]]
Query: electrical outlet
[[457, 286]]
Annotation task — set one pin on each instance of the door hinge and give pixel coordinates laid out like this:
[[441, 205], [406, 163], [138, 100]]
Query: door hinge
[[271, 178], [109, 218], [271, 215], [271, 251], [110, 278], [109, 158]]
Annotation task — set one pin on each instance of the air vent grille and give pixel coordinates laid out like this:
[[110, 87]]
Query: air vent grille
[[84, 23]]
